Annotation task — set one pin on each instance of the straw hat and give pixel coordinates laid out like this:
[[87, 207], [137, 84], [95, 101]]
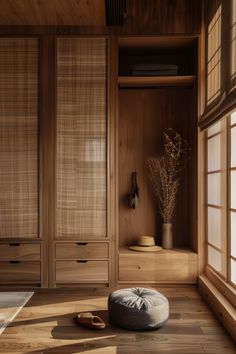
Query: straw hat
[[145, 244]]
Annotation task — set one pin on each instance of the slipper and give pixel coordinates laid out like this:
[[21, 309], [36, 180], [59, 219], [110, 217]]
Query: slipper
[[87, 319]]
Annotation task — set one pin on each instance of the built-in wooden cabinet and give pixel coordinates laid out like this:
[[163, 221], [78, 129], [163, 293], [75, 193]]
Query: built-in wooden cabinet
[[74, 126], [81, 161], [54, 161], [20, 232]]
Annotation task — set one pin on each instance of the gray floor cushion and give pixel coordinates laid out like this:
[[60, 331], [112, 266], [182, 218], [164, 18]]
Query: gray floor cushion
[[138, 308]]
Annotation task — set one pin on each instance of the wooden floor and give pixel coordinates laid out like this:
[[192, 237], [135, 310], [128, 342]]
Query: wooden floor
[[46, 326]]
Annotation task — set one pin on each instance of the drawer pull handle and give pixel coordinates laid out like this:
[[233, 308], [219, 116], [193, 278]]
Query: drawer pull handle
[[82, 243], [14, 244], [81, 261], [14, 262]]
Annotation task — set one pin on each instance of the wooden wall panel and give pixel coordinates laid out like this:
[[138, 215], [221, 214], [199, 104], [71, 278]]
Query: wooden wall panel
[[143, 116], [88, 17], [52, 12], [162, 17]]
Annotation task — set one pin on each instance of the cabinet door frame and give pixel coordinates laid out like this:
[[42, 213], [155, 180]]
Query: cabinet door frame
[[48, 104]]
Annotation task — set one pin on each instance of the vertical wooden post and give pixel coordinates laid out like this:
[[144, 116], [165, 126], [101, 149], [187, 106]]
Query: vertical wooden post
[[47, 139]]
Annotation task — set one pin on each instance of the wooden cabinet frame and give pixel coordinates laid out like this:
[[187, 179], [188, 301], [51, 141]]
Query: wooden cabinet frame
[[47, 155], [48, 165]]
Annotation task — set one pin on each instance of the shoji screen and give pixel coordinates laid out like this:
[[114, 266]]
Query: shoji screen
[[214, 56], [81, 137], [233, 40], [216, 198], [233, 198], [18, 138]]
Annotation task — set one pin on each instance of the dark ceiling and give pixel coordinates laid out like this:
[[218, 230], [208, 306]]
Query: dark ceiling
[[53, 12]]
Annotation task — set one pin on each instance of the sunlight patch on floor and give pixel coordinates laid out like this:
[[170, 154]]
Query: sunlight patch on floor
[[11, 302]]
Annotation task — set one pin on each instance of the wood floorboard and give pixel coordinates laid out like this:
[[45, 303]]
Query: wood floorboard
[[46, 326]]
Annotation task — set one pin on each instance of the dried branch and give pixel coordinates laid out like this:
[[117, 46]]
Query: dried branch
[[164, 172]]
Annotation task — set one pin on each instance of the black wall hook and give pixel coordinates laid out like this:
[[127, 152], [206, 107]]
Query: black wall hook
[[133, 197]]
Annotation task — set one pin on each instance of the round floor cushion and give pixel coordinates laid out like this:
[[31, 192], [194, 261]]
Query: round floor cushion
[[138, 308]]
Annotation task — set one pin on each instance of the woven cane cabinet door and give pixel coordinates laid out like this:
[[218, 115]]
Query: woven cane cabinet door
[[81, 169], [20, 246]]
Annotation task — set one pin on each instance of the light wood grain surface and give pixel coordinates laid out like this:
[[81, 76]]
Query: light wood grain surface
[[81, 271], [132, 81], [46, 326], [20, 251], [167, 266], [82, 250], [20, 271], [144, 114]]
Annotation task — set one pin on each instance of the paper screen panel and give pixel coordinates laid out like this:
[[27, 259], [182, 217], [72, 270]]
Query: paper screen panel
[[81, 137], [233, 233], [19, 138], [233, 189], [214, 189], [214, 153], [215, 259], [214, 56], [233, 146], [233, 40], [214, 233], [233, 271]]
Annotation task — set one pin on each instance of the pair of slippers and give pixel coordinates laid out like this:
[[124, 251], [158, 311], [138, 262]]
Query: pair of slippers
[[88, 320]]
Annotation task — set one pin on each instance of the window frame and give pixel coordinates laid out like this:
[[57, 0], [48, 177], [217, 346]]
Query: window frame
[[215, 276], [229, 208], [223, 207]]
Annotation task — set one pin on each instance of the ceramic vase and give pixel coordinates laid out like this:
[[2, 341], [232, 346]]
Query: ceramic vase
[[167, 236]]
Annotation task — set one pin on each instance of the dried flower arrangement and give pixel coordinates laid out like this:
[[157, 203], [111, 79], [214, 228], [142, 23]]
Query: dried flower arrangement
[[164, 172]]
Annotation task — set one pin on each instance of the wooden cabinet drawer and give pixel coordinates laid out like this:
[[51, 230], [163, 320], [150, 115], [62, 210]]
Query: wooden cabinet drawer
[[81, 271], [167, 266], [19, 271], [20, 251], [82, 250]]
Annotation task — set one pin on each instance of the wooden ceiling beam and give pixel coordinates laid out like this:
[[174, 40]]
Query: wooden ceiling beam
[[53, 12]]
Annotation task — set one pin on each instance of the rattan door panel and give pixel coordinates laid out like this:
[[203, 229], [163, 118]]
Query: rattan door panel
[[81, 138], [19, 196]]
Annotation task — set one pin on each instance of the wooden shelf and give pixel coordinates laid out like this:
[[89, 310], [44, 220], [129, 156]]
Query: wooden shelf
[[150, 81], [160, 42], [172, 251]]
